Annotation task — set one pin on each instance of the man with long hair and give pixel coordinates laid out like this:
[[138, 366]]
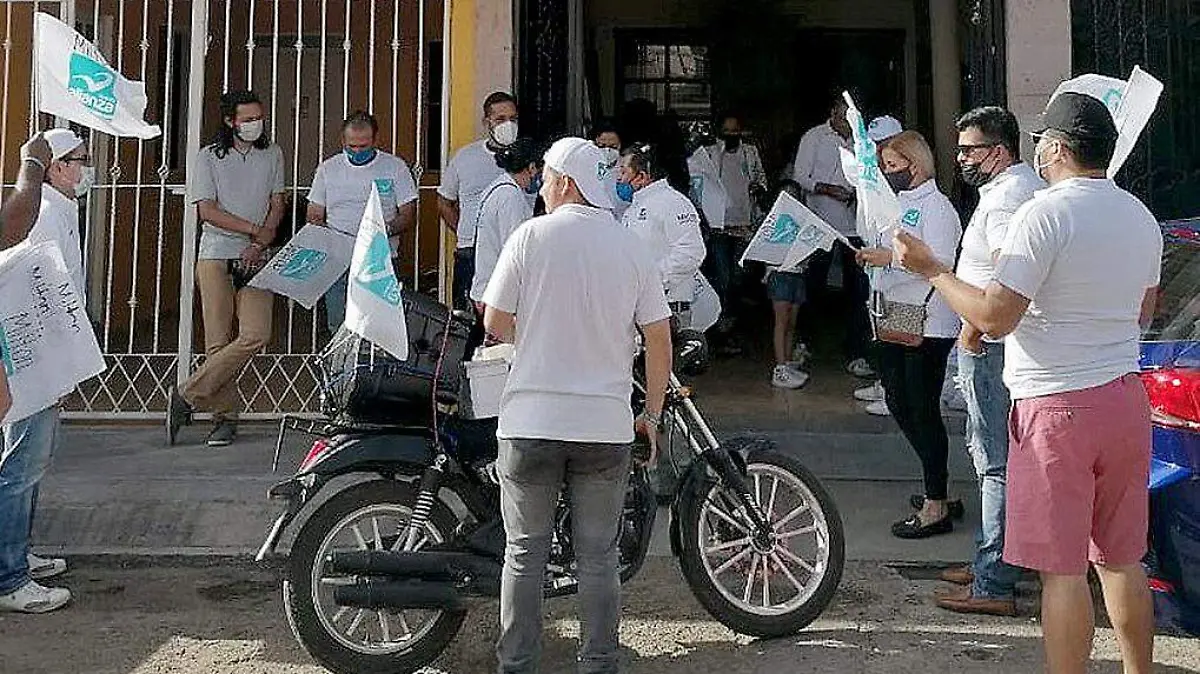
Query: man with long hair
[[238, 190]]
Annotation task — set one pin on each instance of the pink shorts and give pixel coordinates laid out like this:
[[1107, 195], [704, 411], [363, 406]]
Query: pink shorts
[[1078, 467]]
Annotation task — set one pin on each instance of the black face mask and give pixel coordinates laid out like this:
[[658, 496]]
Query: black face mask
[[973, 175], [900, 180], [732, 142]]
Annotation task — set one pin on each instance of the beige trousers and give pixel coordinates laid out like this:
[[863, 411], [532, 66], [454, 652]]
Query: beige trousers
[[214, 387]]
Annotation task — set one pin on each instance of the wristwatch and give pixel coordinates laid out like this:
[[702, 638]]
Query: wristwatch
[[653, 419]]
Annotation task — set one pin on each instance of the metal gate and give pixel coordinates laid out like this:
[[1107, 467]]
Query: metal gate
[[311, 62]]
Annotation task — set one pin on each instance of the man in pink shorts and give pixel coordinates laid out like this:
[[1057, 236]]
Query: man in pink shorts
[[1076, 275]]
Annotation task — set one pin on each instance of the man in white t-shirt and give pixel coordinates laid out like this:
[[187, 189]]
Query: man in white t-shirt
[[989, 155], [30, 443], [571, 291], [341, 188], [470, 171], [1077, 273]]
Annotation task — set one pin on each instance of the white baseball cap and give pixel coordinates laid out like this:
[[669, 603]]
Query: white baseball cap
[[882, 128], [61, 142], [585, 163]]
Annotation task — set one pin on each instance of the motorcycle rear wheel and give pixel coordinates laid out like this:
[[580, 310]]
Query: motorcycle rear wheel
[[760, 592], [331, 634]]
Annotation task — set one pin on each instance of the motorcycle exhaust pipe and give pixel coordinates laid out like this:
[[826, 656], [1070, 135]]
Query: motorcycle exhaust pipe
[[399, 594], [452, 566]]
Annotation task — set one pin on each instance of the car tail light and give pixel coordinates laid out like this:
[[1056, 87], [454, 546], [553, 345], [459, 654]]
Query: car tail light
[[1174, 397], [318, 450]]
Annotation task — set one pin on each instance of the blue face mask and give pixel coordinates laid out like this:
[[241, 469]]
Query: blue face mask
[[625, 191], [535, 184], [360, 157]]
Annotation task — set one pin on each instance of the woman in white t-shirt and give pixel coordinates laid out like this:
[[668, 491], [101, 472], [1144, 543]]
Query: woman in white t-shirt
[[913, 375], [504, 205]]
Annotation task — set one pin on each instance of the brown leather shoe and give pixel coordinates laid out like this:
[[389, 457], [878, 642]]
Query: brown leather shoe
[[959, 575], [963, 602]]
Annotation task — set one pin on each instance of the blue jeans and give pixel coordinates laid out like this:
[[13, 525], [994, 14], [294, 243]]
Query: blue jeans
[[988, 407], [532, 474], [335, 304], [28, 447]]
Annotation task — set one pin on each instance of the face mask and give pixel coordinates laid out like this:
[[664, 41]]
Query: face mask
[[250, 131], [732, 142], [900, 180], [625, 191], [360, 157], [611, 156], [535, 184], [1040, 166], [87, 178], [505, 133], [973, 175]]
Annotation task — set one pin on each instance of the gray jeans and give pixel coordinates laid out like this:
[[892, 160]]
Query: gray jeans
[[532, 476]]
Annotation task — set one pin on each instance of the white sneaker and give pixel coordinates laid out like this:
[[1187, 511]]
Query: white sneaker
[[860, 368], [870, 394], [878, 409], [786, 377], [33, 598], [41, 568]]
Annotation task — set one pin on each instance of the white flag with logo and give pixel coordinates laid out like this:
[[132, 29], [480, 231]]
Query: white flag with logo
[[1131, 103], [46, 340], [790, 234], [878, 207], [374, 309], [75, 81], [707, 190], [308, 265]]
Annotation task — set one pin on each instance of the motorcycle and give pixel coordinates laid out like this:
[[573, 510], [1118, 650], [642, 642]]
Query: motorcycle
[[381, 572]]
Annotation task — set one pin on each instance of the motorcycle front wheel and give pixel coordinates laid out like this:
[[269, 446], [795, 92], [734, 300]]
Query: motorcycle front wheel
[[753, 589], [367, 516]]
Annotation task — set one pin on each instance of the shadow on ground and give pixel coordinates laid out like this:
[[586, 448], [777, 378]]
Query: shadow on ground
[[227, 618]]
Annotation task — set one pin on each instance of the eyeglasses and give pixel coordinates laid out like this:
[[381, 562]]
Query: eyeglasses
[[964, 150], [82, 158]]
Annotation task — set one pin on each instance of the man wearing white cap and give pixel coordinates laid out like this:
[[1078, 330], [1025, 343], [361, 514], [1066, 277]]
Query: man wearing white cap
[[666, 221], [570, 291], [29, 443]]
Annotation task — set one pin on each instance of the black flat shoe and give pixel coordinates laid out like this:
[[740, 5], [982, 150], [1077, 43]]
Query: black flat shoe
[[956, 507], [912, 528]]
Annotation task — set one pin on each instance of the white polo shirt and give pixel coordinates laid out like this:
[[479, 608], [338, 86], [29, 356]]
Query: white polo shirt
[[928, 215], [999, 199], [58, 221], [1084, 252], [579, 284], [344, 189], [669, 227], [464, 180]]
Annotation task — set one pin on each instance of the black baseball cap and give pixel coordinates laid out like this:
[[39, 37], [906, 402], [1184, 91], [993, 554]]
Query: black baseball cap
[[1080, 116]]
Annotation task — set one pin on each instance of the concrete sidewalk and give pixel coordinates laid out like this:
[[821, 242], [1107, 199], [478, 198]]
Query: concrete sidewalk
[[120, 490]]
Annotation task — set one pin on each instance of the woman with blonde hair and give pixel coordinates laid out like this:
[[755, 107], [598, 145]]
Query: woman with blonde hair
[[913, 366]]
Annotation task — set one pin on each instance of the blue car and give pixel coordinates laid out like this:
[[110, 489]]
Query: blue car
[[1170, 359]]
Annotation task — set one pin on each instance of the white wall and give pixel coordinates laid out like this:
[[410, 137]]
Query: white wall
[[1039, 57]]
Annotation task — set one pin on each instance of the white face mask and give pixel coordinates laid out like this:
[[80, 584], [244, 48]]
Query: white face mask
[[250, 131], [611, 156], [1039, 166], [505, 133], [87, 178]]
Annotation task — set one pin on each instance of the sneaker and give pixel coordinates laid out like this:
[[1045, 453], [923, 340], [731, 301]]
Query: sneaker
[[41, 568], [879, 409], [222, 435], [786, 377], [179, 414], [859, 367], [33, 598], [871, 394]]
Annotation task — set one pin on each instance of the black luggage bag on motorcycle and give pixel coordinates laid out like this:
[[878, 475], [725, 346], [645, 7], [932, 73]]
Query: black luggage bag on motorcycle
[[362, 383]]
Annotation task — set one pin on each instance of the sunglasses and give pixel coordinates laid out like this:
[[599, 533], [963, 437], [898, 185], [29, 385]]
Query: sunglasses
[[968, 149], [83, 159]]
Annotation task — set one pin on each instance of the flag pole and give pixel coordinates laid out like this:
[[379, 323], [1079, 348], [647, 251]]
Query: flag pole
[[35, 116]]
